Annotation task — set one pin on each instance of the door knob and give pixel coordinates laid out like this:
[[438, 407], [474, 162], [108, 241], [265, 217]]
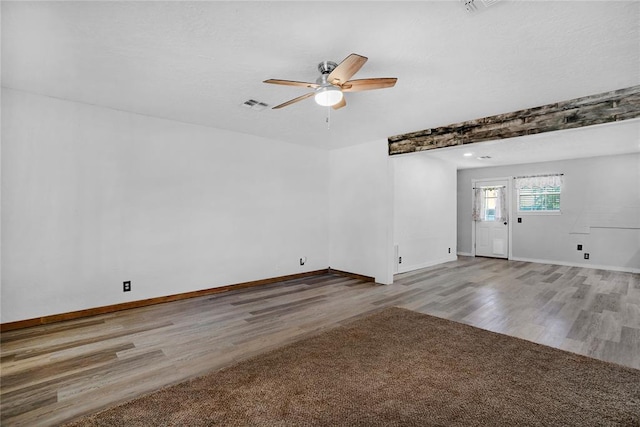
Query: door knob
[[505, 223]]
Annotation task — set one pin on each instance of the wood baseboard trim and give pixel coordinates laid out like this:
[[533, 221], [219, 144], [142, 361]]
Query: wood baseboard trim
[[579, 265], [352, 275], [45, 320]]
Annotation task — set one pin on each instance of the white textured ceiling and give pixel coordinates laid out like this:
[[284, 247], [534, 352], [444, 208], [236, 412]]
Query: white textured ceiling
[[197, 62]]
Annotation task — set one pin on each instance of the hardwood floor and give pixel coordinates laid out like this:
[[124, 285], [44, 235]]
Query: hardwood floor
[[54, 373]]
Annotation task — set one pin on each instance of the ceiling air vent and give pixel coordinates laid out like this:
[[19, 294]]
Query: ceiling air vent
[[477, 5], [255, 105]]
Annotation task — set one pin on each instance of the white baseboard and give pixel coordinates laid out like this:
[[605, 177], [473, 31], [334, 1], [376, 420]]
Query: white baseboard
[[575, 264], [465, 254], [405, 269]]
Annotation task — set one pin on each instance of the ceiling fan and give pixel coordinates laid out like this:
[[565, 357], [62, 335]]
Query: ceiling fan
[[329, 88]]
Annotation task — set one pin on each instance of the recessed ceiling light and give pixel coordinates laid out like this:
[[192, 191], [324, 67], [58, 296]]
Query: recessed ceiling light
[[468, 154]]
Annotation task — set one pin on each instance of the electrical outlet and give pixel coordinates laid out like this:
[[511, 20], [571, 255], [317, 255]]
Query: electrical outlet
[[449, 250], [126, 286], [399, 260], [579, 247], [303, 260], [519, 220], [586, 256]]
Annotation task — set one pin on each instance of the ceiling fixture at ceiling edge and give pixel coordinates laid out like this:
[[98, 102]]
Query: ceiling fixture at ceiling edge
[[329, 88]]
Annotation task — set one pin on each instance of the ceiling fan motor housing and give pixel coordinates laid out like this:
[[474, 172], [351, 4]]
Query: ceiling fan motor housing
[[326, 67]]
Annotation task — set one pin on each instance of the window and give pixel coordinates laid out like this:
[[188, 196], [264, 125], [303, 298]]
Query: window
[[539, 194], [490, 198], [489, 204], [537, 199]]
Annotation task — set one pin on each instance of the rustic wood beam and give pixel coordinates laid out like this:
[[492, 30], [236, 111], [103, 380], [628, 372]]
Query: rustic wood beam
[[590, 110]]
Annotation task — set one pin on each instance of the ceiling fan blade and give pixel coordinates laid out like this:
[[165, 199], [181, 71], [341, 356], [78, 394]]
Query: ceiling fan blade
[[294, 100], [346, 69], [291, 83], [368, 84], [342, 103]]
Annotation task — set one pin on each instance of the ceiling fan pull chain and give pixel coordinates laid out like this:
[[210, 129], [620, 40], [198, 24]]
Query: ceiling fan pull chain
[[328, 117]]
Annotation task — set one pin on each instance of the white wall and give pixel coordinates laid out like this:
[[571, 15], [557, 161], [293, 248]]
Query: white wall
[[424, 211], [361, 211], [600, 206], [92, 197], [378, 202]]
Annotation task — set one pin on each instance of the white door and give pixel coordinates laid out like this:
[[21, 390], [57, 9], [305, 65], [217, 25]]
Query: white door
[[492, 226]]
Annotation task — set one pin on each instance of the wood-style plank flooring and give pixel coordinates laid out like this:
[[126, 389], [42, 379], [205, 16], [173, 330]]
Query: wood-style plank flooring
[[54, 373]]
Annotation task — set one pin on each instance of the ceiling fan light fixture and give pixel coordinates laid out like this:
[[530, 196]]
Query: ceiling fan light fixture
[[328, 96]]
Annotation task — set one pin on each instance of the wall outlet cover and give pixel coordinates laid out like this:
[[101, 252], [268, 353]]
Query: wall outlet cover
[[579, 247], [126, 286], [586, 256]]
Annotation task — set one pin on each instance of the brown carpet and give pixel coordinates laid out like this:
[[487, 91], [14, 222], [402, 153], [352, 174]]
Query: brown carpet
[[401, 368]]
